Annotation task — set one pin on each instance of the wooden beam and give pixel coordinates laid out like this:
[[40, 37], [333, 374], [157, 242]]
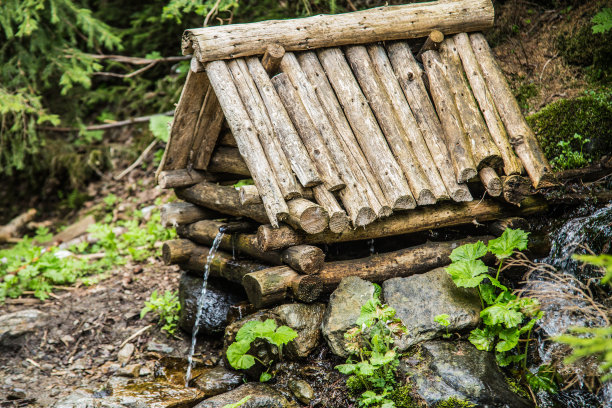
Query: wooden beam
[[207, 130]]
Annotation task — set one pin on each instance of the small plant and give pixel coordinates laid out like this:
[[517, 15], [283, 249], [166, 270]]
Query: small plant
[[454, 402], [569, 158], [239, 403], [249, 332], [374, 360], [442, 320], [166, 306], [602, 21]]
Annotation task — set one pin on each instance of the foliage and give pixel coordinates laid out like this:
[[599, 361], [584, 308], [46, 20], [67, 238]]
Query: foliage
[[237, 351], [525, 92], [604, 261], [602, 21], [28, 267], [402, 397], [569, 158], [166, 306], [374, 360], [239, 403], [454, 402], [506, 317], [589, 116], [442, 320]]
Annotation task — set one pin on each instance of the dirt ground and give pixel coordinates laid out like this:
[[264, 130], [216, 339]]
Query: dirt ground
[[86, 326]]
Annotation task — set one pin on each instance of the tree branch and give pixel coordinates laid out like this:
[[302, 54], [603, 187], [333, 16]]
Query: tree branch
[[127, 122]]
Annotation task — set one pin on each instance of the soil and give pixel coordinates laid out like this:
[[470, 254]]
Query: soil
[[87, 325]]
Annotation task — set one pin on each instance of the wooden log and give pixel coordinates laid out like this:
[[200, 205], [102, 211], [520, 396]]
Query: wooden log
[[272, 58], [9, 232], [521, 136], [366, 183], [491, 181], [306, 259], [409, 75], [512, 165], [249, 195], [248, 142], [389, 122], [420, 219], [228, 160], [456, 138], [484, 152], [396, 264], [338, 220], [227, 139], [284, 130], [311, 138], [179, 178], [177, 251], [207, 130], [180, 213], [379, 24], [224, 199], [269, 286], [433, 41], [259, 117], [186, 117], [307, 216], [356, 204], [382, 65], [370, 137], [515, 188]]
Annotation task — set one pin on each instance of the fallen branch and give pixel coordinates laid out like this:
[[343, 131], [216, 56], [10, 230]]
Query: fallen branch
[[8, 232], [126, 122], [138, 160]]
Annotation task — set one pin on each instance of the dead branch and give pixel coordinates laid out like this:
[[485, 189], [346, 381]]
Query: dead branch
[[126, 122]]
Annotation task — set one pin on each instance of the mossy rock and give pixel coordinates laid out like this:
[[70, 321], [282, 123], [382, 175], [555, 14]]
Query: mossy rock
[[589, 116]]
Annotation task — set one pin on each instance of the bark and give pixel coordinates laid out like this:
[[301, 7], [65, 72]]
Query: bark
[[249, 195], [515, 188], [491, 181], [180, 213], [10, 231], [207, 130], [179, 178], [269, 286], [227, 139], [433, 41], [272, 58], [338, 220], [307, 216]]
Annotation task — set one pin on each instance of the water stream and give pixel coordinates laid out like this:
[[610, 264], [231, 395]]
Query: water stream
[[196, 325]]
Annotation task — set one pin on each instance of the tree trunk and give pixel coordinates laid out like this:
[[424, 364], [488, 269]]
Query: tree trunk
[[307, 216]]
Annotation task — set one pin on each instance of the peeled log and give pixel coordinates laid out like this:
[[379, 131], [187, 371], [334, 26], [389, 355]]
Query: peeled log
[[515, 188], [307, 259], [338, 220], [379, 24], [308, 216], [420, 219], [177, 251], [272, 58], [273, 285]]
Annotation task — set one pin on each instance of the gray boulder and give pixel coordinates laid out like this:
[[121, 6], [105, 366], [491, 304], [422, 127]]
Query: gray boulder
[[217, 380], [343, 310], [15, 326], [306, 321], [445, 370], [261, 396], [418, 299]]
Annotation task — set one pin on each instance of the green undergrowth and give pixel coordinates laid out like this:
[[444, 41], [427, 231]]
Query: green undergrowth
[[166, 307], [32, 269]]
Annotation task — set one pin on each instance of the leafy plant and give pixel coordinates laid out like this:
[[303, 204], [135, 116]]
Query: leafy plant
[[239, 403], [373, 360], [237, 351], [442, 320], [506, 317], [166, 306], [602, 21], [569, 158]]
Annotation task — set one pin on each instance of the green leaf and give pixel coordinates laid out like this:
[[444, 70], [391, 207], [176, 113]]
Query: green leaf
[[159, 125], [368, 312], [468, 252], [254, 329], [237, 357], [602, 21], [265, 377], [442, 320], [239, 403], [365, 368], [346, 368], [487, 292], [482, 339], [543, 379], [379, 359], [501, 313], [283, 335], [509, 339], [510, 241], [244, 182], [467, 274], [505, 359]]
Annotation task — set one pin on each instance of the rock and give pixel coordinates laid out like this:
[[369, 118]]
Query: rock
[[457, 369], [343, 310], [131, 370], [418, 299], [261, 396], [215, 381], [306, 321], [217, 304], [15, 326], [159, 348], [124, 355], [302, 391]]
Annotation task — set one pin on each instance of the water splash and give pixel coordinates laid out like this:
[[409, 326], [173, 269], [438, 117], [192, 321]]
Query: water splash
[[196, 324], [372, 247]]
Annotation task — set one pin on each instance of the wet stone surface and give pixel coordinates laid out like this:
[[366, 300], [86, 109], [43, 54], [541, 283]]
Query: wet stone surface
[[215, 381], [14, 327], [261, 396]]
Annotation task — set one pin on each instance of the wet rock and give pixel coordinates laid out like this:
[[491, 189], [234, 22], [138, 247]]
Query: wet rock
[[125, 354], [302, 391], [442, 370], [261, 396], [306, 321], [343, 310], [15, 326], [131, 370], [159, 348], [418, 299], [216, 381], [217, 304]]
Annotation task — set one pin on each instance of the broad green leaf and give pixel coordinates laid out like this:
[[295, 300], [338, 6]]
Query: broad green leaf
[[482, 338], [525, 328], [510, 241], [501, 313], [265, 377], [159, 125], [237, 357], [602, 21], [346, 368], [505, 359], [496, 283], [487, 292], [442, 320], [469, 252], [543, 379], [368, 312], [254, 329], [467, 274], [365, 368], [509, 339], [283, 335], [379, 359], [239, 403]]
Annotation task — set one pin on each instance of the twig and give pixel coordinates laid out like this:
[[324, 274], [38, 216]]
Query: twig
[[130, 75], [138, 160], [546, 63], [136, 60], [211, 13], [133, 336], [127, 122]]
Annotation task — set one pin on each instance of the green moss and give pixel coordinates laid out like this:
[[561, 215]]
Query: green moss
[[453, 402], [524, 92], [402, 397], [589, 116], [516, 387]]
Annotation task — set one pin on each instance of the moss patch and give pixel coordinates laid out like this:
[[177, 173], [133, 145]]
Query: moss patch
[[453, 402], [589, 116]]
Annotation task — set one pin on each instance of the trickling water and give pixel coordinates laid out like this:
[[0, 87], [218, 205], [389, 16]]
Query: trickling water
[[372, 248], [196, 325]]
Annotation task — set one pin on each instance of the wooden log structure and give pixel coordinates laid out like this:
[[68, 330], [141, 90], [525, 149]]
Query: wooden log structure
[[306, 215], [432, 42], [269, 286], [491, 181], [227, 139], [409, 75], [228, 160], [179, 178], [207, 130], [272, 58], [249, 195], [515, 188], [379, 24], [522, 137], [421, 219], [338, 220], [181, 213]]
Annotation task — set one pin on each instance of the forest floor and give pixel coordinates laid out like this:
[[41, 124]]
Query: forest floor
[[85, 327]]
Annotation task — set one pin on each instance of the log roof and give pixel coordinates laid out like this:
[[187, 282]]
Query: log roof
[[363, 129]]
